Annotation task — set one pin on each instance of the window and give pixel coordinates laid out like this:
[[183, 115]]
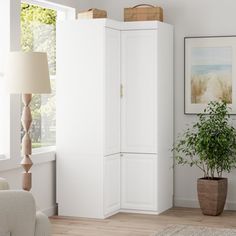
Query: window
[[38, 33], [4, 121], [4, 98]]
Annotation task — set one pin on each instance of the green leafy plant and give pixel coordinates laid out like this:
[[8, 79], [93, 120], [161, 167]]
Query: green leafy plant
[[210, 144]]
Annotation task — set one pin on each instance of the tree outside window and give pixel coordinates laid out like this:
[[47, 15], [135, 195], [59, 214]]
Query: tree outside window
[[38, 33]]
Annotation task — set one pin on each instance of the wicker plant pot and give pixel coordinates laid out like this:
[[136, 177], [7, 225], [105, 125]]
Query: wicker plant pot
[[212, 195]]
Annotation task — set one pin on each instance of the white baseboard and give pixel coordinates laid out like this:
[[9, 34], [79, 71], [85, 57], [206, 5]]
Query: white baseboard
[[190, 203], [139, 212], [51, 211], [111, 214], [230, 206]]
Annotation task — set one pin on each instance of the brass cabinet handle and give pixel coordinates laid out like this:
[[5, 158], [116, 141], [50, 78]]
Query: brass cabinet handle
[[121, 91]]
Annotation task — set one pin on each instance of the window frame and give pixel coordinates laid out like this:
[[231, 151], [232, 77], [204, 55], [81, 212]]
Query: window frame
[[11, 159]]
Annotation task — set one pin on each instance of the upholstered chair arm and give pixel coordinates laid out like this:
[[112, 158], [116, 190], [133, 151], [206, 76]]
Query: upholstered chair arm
[[17, 213], [42, 227]]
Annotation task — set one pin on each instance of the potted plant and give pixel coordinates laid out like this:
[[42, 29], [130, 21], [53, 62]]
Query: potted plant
[[210, 145]]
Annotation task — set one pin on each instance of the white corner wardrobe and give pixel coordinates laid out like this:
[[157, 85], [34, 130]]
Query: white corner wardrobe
[[114, 117]]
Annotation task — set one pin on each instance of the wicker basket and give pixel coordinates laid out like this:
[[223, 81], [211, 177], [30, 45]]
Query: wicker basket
[[92, 13], [143, 12]]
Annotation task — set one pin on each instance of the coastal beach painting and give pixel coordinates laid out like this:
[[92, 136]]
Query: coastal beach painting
[[211, 75], [208, 73]]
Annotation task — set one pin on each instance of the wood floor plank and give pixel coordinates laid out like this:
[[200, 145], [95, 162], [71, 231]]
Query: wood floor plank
[[124, 224]]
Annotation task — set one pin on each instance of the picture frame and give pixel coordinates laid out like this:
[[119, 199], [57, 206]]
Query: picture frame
[[209, 72]]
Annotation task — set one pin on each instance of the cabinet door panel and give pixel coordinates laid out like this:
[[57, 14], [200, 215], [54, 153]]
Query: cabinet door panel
[[139, 102], [80, 118], [111, 184], [112, 90], [139, 182]]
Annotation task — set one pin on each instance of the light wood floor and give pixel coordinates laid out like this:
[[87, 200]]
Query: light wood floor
[[124, 224]]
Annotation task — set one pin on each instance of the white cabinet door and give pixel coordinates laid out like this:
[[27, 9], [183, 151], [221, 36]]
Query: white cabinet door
[[111, 184], [80, 118], [139, 102], [139, 182], [112, 91]]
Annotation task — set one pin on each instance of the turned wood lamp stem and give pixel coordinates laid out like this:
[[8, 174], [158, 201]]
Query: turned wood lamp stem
[[26, 163]]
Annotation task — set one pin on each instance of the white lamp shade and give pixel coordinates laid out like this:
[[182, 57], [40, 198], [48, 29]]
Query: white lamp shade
[[27, 73]]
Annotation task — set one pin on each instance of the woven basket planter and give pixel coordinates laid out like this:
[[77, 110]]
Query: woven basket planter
[[212, 195]]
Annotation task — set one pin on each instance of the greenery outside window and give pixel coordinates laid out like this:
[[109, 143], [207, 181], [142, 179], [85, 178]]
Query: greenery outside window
[[38, 33]]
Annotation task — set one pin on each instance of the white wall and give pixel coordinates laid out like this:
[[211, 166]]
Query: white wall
[[190, 18], [78, 4]]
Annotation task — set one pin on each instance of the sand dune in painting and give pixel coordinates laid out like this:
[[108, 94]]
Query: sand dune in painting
[[212, 86]]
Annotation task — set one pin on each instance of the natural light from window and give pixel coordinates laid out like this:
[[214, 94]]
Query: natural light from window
[[4, 121], [4, 98], [38, 33]]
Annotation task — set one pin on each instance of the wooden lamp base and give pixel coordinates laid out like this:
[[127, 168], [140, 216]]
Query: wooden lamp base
[[27, 181], [26, 163]]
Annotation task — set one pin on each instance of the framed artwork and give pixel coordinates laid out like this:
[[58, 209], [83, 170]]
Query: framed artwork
[[210, 72]]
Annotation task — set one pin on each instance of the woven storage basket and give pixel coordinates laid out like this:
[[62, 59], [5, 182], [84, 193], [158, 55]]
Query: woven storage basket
[[92, 13], [143, 12]]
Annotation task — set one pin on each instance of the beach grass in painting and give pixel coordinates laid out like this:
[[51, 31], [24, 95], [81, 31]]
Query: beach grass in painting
[[211, 75]]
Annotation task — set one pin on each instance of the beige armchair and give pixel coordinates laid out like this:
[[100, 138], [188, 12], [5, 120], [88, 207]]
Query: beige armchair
[[18, 215]]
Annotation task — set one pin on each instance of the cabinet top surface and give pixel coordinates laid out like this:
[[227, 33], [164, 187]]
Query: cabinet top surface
[[120, 25]]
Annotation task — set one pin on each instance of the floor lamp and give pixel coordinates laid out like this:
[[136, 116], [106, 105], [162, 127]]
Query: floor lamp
[[26, 74]]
